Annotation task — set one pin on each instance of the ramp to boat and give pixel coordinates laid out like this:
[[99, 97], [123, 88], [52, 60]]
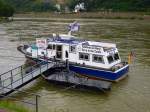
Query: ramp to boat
[[20, 76]]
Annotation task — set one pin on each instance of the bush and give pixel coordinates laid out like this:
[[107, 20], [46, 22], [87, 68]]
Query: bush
[[114, 5], [6, 10], [32, 5]]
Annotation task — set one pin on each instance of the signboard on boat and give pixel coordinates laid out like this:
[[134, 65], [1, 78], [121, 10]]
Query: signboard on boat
[[91, 49], [41, 43]]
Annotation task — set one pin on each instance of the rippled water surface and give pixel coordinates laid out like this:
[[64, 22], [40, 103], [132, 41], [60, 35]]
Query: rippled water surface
[[129, 95]]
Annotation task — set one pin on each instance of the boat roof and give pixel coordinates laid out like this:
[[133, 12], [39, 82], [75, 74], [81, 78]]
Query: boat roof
[[101, 44], [65, 39], [69, 39]]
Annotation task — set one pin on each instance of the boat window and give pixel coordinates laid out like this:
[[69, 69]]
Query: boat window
[[116, 56], [110, 59], [58, 55], [54, 47], [98, 59], [81, 56], [59, 48], [49, 46], [84, 56], [72, 49]]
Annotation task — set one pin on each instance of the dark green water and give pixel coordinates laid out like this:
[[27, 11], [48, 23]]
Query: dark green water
[[129, 95]]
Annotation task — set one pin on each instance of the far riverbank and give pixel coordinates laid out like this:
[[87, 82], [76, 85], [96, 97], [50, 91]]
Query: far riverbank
[[98, 15]]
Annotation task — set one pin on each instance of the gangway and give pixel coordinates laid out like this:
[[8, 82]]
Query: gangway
[[20, 76]]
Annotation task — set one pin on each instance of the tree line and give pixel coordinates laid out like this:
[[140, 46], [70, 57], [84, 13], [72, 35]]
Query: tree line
[[32, 5], [114, 5], [7, 7], [6, 10]]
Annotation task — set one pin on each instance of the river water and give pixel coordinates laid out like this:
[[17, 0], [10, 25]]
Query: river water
[[130, 95]]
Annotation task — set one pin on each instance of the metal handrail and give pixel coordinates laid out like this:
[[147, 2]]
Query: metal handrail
[[20, 73], [20, 67], [33, 70], [8, 83], [21, 77]]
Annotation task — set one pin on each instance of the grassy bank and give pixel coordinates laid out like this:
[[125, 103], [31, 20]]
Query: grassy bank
[[9, 106], [100, 15]]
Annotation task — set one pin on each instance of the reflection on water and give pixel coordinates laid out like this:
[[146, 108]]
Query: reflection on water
[[129, 95]]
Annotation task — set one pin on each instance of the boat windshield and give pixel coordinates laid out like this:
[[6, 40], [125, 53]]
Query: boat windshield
[[112, 58]]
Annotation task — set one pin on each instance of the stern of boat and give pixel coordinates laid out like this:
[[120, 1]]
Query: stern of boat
[[120, 70]]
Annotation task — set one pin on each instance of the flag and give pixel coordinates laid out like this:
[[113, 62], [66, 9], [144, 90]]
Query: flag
[[131, 56], [74, 26]]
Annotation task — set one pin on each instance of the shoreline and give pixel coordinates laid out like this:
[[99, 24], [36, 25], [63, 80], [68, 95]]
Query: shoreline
[[84, 15]]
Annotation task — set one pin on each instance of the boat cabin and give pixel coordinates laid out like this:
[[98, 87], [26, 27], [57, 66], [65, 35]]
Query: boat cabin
[[76, 51]]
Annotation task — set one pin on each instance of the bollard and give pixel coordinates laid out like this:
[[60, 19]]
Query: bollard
[[36, 103]]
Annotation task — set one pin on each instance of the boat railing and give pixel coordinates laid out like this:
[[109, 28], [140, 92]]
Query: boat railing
[[22, 74], [119, 66]]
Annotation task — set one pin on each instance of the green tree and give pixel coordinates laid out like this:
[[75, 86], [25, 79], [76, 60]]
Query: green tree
[[32, 5], [6, 10], [116, 5]]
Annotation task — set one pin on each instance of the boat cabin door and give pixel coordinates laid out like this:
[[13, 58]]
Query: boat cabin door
[[59, 52]]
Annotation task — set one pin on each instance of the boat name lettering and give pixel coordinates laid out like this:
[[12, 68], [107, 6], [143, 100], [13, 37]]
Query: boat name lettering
[[91, 47], [91, 50]]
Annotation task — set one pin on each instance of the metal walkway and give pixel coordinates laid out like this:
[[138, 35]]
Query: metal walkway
[[20, 76]]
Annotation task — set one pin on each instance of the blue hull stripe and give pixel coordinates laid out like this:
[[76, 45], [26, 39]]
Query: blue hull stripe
[[113, 76]]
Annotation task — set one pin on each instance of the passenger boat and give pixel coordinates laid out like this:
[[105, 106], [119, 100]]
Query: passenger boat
[[95, 60], [91, 59]]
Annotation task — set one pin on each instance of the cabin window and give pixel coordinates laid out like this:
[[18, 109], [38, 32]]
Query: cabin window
[[50, 46], [110, 59], [58, 51], [81, 56], [98, 59], [84, 56], [72, 49], [116, 56], [58, 55], [54, 47], [59, 48]]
